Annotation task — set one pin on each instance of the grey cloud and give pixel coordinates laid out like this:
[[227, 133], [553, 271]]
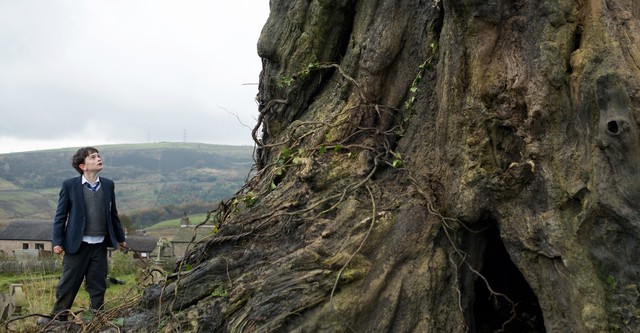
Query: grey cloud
[[139, 70]]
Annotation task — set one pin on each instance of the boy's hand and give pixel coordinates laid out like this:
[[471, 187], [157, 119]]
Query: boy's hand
[[57, 249], [122, 245]]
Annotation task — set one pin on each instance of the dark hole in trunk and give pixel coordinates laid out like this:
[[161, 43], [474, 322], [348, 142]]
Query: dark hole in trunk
[[492, 312]]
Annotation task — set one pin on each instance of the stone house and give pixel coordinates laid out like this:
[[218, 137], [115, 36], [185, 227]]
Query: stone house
[[23, 235], [29, 236], [142, 245], [186, 234]]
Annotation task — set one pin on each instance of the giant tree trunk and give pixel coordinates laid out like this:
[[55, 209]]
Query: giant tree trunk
[[431, 166]]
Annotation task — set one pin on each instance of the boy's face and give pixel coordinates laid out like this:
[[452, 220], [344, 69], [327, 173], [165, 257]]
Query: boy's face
[[92, 163]]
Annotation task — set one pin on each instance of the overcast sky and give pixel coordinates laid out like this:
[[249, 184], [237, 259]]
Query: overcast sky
[[76, 73]]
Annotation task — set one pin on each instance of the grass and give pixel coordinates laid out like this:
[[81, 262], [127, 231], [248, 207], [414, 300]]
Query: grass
[[39, 290], [194, 219], [7, 185], [25, 278], [28, 203], [20, 195]]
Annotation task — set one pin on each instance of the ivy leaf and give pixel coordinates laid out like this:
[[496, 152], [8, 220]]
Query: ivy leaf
[[285, 153]]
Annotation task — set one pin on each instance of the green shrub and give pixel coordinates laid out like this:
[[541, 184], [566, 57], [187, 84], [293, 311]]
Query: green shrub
[[122, 264]]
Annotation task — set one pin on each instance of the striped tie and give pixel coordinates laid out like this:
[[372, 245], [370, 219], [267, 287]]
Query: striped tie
[[94, 187]]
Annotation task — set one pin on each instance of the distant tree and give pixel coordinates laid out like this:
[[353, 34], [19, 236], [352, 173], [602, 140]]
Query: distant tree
[[127, 224]]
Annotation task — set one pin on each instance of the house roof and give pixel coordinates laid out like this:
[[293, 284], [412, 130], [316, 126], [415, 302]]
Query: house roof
[[185, 233], [142, 243], [28, 230]]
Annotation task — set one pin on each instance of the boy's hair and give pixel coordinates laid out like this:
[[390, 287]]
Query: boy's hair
[[79, 157]]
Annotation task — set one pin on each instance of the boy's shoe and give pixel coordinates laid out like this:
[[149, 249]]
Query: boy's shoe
[[46, 321], [95, 313]]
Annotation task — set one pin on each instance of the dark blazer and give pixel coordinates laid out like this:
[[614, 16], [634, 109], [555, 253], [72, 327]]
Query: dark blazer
[[69, 221]]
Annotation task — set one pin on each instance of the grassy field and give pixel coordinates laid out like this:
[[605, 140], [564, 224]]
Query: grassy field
[[5, 185], [39, 290], [27, 204], [174, 223], [168, 228]]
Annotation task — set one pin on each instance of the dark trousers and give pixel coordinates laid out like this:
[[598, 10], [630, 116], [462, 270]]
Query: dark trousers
[[89, 262]]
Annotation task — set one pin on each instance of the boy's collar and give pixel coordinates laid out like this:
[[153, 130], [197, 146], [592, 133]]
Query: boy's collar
[[85, 180]]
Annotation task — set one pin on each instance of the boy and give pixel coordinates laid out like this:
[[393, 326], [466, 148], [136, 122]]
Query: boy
[[85, 224]]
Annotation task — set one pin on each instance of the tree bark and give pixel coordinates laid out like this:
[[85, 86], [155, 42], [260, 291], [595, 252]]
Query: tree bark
[[430, 166]]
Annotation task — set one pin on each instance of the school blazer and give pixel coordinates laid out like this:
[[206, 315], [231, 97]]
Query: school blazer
[[69, 221]]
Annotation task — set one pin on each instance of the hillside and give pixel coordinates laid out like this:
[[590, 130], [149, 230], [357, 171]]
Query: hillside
[[149, 178]]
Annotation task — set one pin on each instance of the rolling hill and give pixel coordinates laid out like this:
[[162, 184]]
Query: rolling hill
[[153, 181]]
